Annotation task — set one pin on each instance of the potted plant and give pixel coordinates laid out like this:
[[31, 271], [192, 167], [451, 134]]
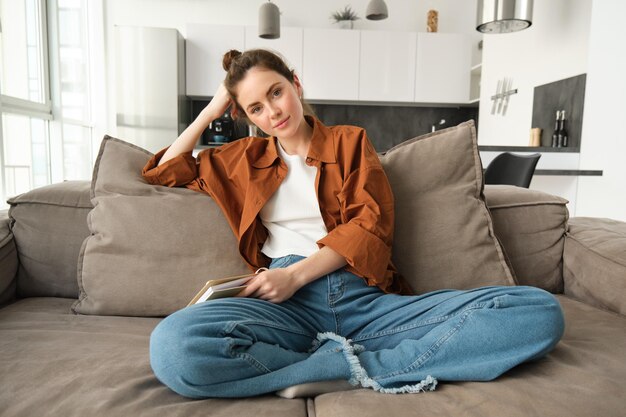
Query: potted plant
[[345, 17]]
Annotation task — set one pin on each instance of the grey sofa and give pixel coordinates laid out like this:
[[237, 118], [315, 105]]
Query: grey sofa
[[55, 362]]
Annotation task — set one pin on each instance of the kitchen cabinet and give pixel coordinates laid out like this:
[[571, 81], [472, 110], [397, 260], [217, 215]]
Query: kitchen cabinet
[[205, 47], [343, 65], [331, 64], [289, 45], [387, 66], [442, 69]]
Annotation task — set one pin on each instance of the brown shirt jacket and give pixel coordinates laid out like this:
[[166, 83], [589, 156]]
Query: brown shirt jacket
[[354, 195]]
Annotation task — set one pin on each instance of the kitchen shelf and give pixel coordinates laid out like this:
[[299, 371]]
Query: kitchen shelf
[[570, 172], [567, 160], [527, 149]]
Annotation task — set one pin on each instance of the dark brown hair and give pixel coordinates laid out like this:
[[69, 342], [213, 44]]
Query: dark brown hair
[[237, 64]]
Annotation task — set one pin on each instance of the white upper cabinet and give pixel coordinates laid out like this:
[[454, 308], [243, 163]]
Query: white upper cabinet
[[443, 64], [205, 47], [387, 67], [289, 45], [343, 65], [331, 64]]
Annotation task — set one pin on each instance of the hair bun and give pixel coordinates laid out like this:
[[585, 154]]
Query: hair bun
[[229, 57]]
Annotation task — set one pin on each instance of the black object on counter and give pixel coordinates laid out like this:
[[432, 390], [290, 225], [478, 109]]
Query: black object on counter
[[555, 134], [563, 139], [221, 129]]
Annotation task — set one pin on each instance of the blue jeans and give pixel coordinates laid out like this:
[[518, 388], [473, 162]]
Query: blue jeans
[[337, 327]]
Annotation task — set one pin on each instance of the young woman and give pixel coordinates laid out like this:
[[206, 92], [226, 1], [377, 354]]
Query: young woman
[[313, 204]]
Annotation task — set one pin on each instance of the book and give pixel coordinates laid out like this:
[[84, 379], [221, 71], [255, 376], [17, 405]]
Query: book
[[223, 287]]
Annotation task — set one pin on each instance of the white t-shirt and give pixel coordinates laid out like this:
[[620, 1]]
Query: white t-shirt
[[292, 215]]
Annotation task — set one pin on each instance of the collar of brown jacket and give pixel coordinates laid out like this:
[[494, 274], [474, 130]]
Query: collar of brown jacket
[[320, 148]]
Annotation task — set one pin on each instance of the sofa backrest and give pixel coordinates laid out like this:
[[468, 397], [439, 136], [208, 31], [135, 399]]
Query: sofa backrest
[[49, 225], [531, 227]]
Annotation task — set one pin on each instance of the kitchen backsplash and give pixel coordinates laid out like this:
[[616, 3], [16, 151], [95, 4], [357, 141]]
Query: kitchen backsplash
[[386, 126], [568, 95]]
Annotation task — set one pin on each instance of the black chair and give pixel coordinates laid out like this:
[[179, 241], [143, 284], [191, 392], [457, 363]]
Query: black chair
[[512, 169]]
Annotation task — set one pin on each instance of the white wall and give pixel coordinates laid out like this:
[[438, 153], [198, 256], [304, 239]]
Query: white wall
[[553, 48], [603, 137]]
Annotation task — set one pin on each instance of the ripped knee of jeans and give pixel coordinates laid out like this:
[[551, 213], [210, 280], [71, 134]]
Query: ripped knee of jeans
[[358, 374]]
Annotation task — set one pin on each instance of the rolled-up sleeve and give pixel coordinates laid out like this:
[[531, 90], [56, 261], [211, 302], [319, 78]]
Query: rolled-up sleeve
[[364, 237], [177, 172]]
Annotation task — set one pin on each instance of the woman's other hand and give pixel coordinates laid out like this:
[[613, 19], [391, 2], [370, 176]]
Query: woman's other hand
[[220, 102], [274, 285]]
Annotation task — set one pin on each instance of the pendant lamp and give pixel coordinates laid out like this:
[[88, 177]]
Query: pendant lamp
[[269, 21], [376, 10], [503, 16]]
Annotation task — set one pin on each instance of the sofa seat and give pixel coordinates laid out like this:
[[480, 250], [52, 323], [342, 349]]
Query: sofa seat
[[43, 344], [55, 363], [583, 376]]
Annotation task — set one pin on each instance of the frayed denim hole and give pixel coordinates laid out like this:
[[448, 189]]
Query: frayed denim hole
[[359, 374]]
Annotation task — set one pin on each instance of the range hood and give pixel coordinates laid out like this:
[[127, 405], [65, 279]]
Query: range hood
[[503, 16]]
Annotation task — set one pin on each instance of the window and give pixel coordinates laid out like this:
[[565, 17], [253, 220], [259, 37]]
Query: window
[[25, 99], [25, 162], [23, 51], [73, 48], [46, 101]]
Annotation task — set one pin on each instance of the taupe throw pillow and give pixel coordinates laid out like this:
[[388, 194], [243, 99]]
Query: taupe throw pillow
[[151, 247], [444, 235]]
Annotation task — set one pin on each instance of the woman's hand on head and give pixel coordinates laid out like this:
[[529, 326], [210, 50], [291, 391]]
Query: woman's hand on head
[[274, 285], [220, 102]]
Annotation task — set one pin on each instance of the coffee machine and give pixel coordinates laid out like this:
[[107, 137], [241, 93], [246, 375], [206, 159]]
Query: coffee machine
[[221, 130]]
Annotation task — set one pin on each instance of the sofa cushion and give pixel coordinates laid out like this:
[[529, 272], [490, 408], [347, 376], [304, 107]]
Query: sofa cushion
[[594, 268], [99, 366], [55, 363], [583, 376], [531, 226], [444, 235], [50, 224], [151, 247]]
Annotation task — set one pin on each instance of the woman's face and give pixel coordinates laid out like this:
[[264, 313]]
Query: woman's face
[[271, 102]]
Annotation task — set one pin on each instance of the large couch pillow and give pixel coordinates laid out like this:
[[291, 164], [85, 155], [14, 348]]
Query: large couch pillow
[[151, 247], [444, 235], [49, 224]]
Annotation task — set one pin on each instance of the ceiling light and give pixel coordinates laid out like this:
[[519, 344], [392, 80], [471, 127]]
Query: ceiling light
[[376, 10], [269, 21]]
